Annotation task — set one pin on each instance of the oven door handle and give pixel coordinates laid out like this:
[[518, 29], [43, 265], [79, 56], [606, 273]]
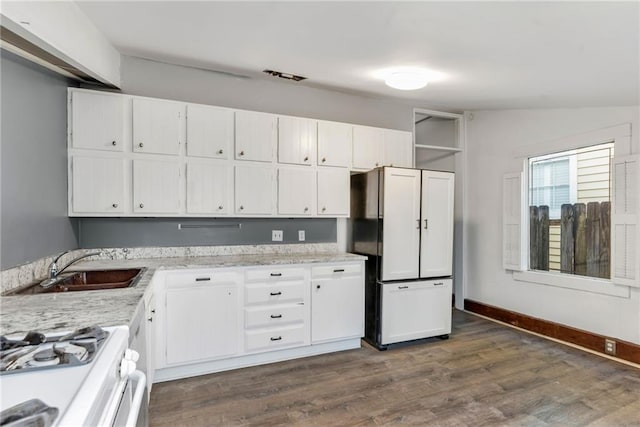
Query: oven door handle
[[138, 394]]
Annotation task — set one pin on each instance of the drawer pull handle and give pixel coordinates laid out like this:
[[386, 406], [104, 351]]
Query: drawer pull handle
[[276, 316], [403, 287], [275, 294], [276, 274], [276, 338], [338, 270], [438, 284], [203, 279]]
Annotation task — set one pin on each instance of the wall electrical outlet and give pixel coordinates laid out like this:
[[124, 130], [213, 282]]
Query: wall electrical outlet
[[610, 347], [301, 235], [276, 235]]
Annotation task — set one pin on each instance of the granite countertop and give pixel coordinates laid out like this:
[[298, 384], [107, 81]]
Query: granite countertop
[[67, 311]]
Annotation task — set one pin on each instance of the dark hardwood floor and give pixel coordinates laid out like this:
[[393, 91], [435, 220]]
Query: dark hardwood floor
[[485, 375]]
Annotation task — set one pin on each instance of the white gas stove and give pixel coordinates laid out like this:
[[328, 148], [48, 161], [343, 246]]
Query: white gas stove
[[87, 377]]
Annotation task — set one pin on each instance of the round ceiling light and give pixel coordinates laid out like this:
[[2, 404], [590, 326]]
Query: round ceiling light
[[407, 80]]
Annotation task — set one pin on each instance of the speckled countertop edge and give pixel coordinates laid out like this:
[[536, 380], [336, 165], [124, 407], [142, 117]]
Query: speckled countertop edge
[[67, 311]]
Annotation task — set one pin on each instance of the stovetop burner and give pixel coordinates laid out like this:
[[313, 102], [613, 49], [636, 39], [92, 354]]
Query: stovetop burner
[[36, 351]]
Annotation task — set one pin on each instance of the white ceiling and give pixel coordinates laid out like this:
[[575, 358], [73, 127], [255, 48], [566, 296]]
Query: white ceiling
[[491, 55]]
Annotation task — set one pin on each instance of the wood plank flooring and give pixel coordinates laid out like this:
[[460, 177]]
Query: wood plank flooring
[[485, 375]]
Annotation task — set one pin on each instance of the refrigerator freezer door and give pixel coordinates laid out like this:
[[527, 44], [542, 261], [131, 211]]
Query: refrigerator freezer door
[[401, 224], [436, 225], [414, 310]]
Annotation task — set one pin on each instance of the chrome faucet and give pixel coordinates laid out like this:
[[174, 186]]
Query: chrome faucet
[[54, 271]]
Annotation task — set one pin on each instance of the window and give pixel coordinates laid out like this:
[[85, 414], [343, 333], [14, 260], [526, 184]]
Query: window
[[570, 211]]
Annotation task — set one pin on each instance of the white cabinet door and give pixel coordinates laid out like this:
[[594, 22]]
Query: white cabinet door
[[337, 308], [297, 140], [156, 126], [333, 191], [210, 131], [414, 310], [155, 186], [401, 230], [398, 148], [368, 147], [97, 185], [201, 322], [254, 190], [296, 191], [334, 144], [255, 136], [97, 121], [209, 188], [436, 251]]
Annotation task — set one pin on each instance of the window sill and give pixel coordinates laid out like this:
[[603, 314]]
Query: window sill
[[578, 283]]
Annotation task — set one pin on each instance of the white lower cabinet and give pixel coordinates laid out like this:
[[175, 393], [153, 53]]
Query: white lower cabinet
[[201, 318]]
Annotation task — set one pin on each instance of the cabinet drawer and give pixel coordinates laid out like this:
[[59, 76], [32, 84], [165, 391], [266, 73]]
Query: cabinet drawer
[[279, 292], [274, 273], [336, 270], [273, 316], [274, 338], [202, 277]]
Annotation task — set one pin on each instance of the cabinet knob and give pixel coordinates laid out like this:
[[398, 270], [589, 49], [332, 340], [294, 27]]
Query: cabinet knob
[[113, 143], [150, 319], [141, 205], [317, 286], [324, 209], [220, 151], [220, 207], [376, 164], [153, 311], [324, 159], [142, 145], [115, 205], [241, 207], [306, 209], [306, 159], [241, 153]]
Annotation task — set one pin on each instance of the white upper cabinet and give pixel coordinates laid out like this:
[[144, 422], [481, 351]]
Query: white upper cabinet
[[398, 148], [334, 144], [297, 140], [333, 191], [97, 185], [296, 191], [368, 147], [97, 121], [209, 188], [255, 136], [156, 186], [156, 126], [254, 190], [210, 131]]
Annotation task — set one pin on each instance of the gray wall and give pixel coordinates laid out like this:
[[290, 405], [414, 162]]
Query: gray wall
[[136, 232], [34, 220]]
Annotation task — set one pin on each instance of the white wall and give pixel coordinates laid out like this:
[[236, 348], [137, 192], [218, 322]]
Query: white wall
[[492, 138]]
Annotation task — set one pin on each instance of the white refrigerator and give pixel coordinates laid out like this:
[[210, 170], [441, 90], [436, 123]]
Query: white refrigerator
[[402, 219]]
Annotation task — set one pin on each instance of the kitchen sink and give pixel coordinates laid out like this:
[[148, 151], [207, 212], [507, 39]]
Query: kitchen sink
[[93, 280]]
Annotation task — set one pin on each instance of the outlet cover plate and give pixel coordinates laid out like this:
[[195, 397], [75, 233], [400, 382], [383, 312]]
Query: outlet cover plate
[[276, 235], [610, 347], [301, 235]]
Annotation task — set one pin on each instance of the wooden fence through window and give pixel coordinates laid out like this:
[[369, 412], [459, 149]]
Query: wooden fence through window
[[585, 239]]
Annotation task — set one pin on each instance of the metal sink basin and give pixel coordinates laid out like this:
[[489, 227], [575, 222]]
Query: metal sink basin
[[94, 280]]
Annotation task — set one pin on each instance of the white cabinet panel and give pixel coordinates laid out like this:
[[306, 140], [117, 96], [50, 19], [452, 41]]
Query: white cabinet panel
[[297, 140], [156, 126], [333, 191], [155, 186], [209, 188], [97, 185], [334, 144], [276, 338], [414, 310], [436, 224], [398, 148], [254, 190], [201, 323], [272, 316], [97, 121], [255, 136], [368, 146], [401, 230], [210, 131], [279, 292], [296, 191], [337, 308]]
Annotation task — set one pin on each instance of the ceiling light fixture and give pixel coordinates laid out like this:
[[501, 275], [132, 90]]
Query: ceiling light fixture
[[407, 79]]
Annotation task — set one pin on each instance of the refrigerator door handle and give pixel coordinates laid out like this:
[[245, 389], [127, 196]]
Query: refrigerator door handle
[[418, 224], [426, 224]]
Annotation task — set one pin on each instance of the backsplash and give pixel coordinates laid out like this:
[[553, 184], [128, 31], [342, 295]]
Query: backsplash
[[36, 270]]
